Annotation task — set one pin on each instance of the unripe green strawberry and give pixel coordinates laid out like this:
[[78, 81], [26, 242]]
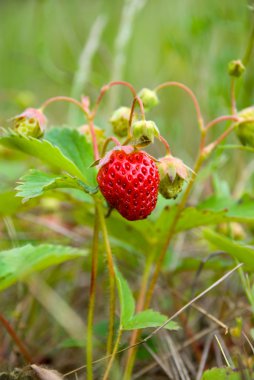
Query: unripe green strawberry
[[149, 98], [245, 129], [173, 173], [236, 68], [120, 121], [129, 181], [144, 132], [30, 123]]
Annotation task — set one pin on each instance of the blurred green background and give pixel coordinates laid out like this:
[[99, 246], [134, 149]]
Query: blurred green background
[[142, 41], [62, 47]]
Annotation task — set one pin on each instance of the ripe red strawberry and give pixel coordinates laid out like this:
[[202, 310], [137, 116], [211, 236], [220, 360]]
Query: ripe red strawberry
[[129, 180]]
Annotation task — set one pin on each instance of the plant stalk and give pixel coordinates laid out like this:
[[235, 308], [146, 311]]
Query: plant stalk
[[145, 298], [90, 317], [112, 283], [112, 358], [16, 339]]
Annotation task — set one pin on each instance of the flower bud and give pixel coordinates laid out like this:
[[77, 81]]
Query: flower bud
[[245, 128], [120, 121], [30, 123], [149, 98], [173, 173], [144, 132], [236, 68]]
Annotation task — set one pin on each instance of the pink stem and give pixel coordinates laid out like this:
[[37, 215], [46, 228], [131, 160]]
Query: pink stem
[[220, 119], [63, 99], [16, 339], [166, 144], [105, 88], [190, 93], [94, 139]]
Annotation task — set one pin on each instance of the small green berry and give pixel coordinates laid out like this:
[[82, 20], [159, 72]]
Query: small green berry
[[149, 98], [245, 128], [236, 68], [144, 132], [120, 121]]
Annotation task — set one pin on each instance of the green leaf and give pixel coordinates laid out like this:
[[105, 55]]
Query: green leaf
[[75, 146], [48, 153], [210, 212], [225, 374], [35, 183], [126, 299], [17, 263], [149, 318], [243, 253], [241, 210]]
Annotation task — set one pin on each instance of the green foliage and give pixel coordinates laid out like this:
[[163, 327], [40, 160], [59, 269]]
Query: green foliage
[[213, 210], [18, 263], [149, 318], [76, 148], [35, 183], [144, 319], [127, 301], [225, 374], [241, 252], [67, 154]]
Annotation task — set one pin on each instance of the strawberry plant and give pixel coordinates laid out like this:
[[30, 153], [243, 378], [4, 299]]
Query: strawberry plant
[[135, 202]]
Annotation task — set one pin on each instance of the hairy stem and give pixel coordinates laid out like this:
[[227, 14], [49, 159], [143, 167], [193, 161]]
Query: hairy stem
[[16, 339], [90, 318], [112, 358], [112, 284], [139, 307]]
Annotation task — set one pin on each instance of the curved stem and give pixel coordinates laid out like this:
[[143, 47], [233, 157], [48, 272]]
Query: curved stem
[[220, 119], [107, 141], [16, 339], [112, 297], [166, 144], [141, 106], [105, 88], [190, 93], [63, 99], [90, 317], [94, 139], [112, 358], [209, 148]]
